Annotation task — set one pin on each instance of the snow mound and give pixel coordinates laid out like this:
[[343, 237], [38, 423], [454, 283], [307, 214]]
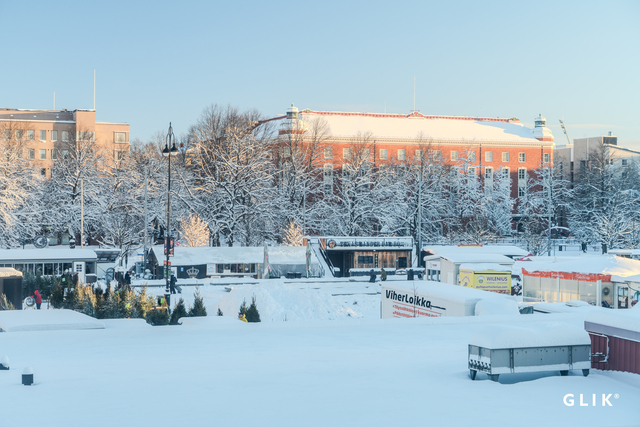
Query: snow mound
[[532, 335], [46, 320], [125, 323], [210, 320], [496, 306], [278, 302]]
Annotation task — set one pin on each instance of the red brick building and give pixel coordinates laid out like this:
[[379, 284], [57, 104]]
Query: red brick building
[[489, 145]]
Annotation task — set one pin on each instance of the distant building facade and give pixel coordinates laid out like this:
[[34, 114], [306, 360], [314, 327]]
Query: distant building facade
[[46, 134], [572, 158], [489, 145]]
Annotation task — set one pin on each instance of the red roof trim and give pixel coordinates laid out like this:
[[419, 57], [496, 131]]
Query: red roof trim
[[403, 116]]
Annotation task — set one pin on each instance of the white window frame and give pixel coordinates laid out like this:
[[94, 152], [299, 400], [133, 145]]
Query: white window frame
[[54, 135], [32, 154], [384, 154], [488, 156], [117, 135], [42, 151], [31, 135], [346, 153], [546, 158], [327, 176], [45, 135], [328, 153], [506, 173], [488, 173], [522, 157], [523, 172], [68, 135], [402, 154], [454, 155], [505, 156], [286, 152]]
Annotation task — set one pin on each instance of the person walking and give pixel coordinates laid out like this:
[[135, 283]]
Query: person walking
[[383, 275], [38, 299], [172, 283], [372, 276]]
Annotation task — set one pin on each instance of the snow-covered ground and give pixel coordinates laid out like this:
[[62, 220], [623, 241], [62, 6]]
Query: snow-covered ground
[[354, 369]]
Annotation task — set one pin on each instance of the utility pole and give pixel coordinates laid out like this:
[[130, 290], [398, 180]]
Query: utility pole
[[420, 215], [549, 210], [146, 239], [81, 212]]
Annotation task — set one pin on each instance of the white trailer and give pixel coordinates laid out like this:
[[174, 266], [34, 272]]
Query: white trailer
[[431, 299]]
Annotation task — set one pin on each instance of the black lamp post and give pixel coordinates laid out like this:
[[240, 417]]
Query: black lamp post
[[169, 152]]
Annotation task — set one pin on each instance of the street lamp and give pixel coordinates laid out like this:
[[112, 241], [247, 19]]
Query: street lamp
[[168, 152]]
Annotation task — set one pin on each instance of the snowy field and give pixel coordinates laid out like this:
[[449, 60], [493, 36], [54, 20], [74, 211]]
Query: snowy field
[[352, 370]]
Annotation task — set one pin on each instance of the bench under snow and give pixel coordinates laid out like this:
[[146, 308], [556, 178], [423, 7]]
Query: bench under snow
[[505, 349]]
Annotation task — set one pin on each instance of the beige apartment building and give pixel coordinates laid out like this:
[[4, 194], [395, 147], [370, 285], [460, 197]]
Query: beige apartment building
[[574, 157], [47, 134]]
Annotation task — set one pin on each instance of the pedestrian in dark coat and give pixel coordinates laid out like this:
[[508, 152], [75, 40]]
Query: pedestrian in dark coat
[[38, 298], [172, 283], [372, 276]]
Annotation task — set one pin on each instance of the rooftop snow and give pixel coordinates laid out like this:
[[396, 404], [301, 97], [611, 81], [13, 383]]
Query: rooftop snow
[[535, 335], [58, 254], [236, 254], [484, 267], [456, 129], [477, 258], [487, 249], [618, 267]]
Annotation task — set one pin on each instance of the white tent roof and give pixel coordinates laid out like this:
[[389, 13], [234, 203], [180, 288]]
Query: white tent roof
[[236, 254]]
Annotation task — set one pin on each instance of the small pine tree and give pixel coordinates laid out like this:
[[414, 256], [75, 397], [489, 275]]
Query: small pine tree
[[198, 308], [159, 316], [85, 300], [178, 312], [112, 306], [5, 304], [71, 300], [243, 309], [252, 313], [144, 303], [57, 296], [220, 312]]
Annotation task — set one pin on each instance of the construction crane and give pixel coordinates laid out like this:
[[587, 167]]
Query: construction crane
[[564, 129]]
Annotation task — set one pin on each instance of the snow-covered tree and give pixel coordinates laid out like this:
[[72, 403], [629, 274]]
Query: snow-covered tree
[[20, 188], [298, 155], [233, 175], [293, 235], [194, 231]]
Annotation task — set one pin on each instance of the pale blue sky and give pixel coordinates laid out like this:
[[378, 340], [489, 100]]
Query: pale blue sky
[[161, 61]]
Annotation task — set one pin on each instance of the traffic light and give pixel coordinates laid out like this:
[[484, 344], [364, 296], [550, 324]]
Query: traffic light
[[168, 244]]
